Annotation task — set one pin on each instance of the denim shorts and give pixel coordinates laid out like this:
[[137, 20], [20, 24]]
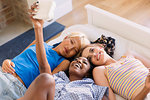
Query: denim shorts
[[10, 87]]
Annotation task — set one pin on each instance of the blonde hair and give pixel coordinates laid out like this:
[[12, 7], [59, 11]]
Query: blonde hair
[[83, 38]]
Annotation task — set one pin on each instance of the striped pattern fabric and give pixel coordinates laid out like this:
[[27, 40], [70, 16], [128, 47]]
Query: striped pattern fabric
[[84, 89], [126, 76]]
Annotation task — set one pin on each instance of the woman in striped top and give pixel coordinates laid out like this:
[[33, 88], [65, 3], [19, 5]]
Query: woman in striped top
[[129, 77]]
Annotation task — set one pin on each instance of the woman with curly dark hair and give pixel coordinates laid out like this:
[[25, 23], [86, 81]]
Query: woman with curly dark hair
[[129, 76]]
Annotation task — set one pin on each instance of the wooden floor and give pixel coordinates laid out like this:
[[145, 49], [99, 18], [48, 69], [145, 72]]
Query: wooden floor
[[134, 10]]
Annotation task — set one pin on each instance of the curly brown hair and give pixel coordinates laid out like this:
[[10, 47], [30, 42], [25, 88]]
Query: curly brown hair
[[108, 43]]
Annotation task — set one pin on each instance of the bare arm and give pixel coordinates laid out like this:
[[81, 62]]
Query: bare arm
[[143, 59], [6, 66], [40, 51], [142, 94], [100, 78], [145, 90], [64, 65], [44, 67]]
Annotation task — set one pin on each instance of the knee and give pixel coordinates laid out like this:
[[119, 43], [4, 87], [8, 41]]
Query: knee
[[46, 80]]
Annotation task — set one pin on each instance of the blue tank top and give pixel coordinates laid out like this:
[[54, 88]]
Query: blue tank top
[[26, 64]]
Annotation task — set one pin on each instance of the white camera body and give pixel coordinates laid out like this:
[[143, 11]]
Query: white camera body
[[45, 10]]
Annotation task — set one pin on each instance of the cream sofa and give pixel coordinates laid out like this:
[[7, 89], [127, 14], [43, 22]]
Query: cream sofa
[[128, 35]]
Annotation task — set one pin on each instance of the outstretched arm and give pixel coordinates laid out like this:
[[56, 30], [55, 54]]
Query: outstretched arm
[[44, 67], [40, 51], [143, 59], [43, 87], [145, 90]]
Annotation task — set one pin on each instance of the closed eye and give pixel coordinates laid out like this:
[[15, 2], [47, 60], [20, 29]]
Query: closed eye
[[71, 41], [91, 50], [85, 62]]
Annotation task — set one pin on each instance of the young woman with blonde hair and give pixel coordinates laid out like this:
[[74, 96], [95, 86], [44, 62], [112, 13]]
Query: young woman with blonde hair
[[25, 67]]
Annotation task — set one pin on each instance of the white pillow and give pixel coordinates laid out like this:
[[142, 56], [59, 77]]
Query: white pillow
[[93, 33], [76, 28]]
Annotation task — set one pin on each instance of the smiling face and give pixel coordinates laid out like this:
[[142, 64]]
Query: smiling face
[[70, 46], [95, 54], [79, 67]]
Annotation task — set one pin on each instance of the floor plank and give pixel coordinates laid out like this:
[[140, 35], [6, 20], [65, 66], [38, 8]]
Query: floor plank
[[137, 11], [134, 10]]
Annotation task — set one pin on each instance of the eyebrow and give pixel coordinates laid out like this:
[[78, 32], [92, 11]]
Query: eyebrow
[[84, 59]]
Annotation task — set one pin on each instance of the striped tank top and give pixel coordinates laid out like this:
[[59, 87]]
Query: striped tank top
[[126, 76]]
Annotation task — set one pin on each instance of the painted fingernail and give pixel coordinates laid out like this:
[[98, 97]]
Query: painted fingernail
[[37, 4], [33, 13], [35, 10]]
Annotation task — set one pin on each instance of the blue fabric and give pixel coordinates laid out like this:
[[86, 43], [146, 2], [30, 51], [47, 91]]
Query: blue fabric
[[10, 87], [84, 89], [26, 64], [15, 46]]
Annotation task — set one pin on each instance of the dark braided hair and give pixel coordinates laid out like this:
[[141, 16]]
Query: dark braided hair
[[108, 43]]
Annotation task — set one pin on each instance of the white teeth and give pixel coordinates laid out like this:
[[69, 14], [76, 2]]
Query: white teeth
[[78, 65], [98, 56]]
